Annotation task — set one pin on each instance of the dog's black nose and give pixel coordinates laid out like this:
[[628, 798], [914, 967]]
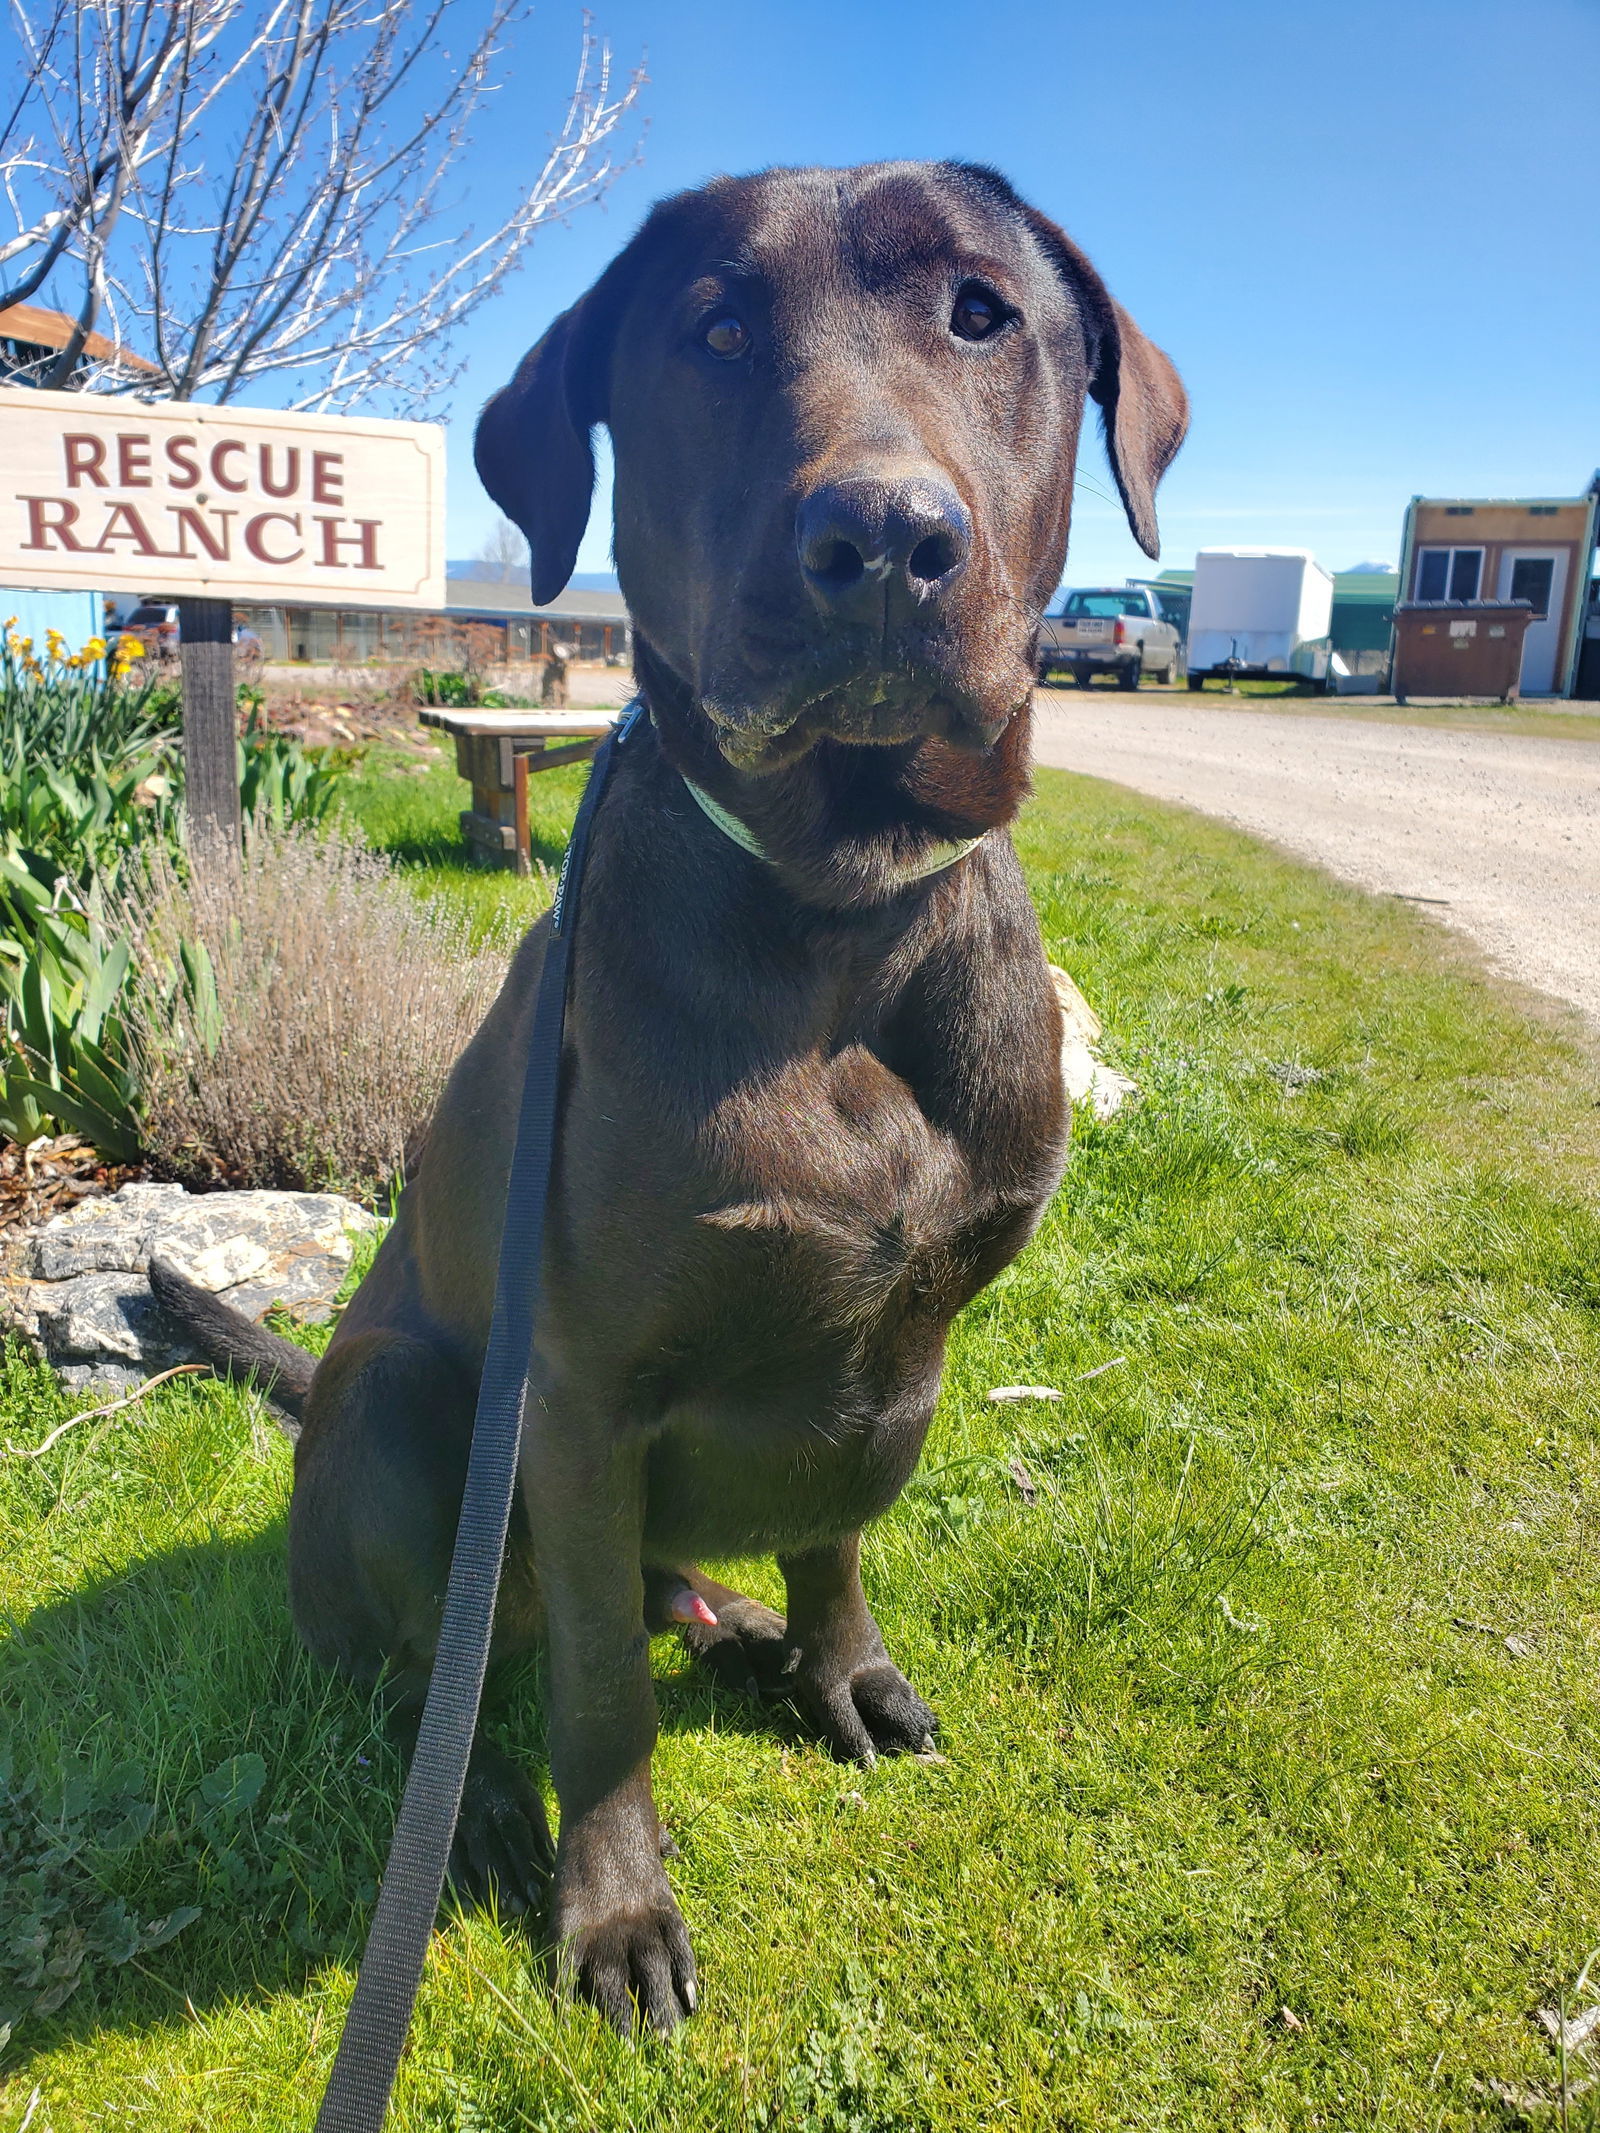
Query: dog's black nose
[[868, 546]]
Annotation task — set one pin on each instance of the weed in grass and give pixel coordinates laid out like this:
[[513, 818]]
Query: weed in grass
[[58, 1924], [851, 2074]]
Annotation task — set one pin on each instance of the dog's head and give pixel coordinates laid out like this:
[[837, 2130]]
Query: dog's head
[[844, 406]]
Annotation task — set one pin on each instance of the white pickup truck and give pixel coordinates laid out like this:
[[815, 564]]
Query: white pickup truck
[[1116, 629]]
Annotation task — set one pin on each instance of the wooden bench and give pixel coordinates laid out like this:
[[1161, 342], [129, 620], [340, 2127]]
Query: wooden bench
[[495, 751]]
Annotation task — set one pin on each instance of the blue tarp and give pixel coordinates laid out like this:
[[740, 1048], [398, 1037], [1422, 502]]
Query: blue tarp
[[77, 615]]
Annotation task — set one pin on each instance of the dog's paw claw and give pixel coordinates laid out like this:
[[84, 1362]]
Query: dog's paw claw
[[635, 1967]]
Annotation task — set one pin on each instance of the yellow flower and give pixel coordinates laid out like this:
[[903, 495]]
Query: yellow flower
[[94, 649]]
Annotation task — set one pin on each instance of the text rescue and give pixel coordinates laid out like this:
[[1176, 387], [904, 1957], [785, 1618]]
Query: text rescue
[[131, 460]]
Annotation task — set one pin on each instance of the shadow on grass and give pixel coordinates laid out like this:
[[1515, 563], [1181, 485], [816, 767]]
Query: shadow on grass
[[192, 1812]]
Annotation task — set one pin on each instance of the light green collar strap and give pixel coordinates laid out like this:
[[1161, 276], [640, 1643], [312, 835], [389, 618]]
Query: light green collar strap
[[730, 825], [933, 862]]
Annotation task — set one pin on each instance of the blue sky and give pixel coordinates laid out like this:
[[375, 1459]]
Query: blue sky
[[1366, 233]]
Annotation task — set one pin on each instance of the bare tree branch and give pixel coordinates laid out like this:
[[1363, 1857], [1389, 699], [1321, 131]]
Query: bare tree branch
[[504, 553], [259, 192]]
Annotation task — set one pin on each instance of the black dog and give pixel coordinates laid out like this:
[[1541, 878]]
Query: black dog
[[812, 1089]]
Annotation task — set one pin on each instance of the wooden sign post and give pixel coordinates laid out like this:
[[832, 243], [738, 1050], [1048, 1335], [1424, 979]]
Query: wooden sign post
[[209, 505], [210, 747]]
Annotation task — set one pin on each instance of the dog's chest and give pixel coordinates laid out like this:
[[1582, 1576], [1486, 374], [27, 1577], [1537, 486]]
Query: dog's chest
[[831, 1181]]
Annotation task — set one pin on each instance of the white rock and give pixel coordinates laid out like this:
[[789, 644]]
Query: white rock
[[1085, 1074], [223, 1266], [77, 1291]]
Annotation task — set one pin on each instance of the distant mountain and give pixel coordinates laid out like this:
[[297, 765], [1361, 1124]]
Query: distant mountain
[[1383, 569], [469, 566]]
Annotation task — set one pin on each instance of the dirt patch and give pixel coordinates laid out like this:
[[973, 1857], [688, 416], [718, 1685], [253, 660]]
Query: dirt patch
[[343, 707]]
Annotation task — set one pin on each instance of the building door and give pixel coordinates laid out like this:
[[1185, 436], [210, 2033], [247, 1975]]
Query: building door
[[1540, 576]]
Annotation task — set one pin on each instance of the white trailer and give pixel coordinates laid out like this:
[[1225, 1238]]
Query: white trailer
[[1259, 611]]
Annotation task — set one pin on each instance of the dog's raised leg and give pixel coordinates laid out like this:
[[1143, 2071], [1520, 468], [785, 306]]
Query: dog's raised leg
[[745, 1651], [843, 1679], [620, 1939]]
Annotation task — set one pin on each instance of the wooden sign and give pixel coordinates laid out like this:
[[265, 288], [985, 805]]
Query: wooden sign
[[178, 499]]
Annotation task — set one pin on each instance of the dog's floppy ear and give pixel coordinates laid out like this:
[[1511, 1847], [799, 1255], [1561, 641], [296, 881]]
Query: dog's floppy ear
[[1143, 403], [532, 448], [1146, 413]]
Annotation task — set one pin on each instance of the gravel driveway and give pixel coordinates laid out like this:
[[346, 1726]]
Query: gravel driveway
[[1492, 833]]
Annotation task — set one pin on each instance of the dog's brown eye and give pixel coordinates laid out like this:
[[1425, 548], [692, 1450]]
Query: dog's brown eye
[[977, 313], [726, 336]]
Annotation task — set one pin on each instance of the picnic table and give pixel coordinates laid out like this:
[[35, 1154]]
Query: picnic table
[[495, 752]]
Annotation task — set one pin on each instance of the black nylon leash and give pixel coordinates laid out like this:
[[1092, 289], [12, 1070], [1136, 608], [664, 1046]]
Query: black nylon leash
[[358, 2091]]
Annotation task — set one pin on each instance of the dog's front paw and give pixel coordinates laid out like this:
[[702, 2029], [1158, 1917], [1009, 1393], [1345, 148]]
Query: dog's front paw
[[865, 1712], [631, 1961]]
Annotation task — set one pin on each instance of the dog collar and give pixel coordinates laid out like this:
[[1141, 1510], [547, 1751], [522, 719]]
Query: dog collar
[[942, 857]]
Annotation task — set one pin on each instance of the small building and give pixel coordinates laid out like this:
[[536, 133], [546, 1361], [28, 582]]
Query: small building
[[1174, 591], [32, 337], [1538, 549], [1363, 611], [493, 621], [1362, 619], [595, 622]]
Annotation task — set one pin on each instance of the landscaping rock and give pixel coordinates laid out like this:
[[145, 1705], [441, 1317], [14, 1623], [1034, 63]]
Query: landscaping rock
[[76, 1290]]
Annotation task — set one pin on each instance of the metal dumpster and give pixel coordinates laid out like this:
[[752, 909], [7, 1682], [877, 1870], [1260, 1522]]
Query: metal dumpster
[[1459, 647]]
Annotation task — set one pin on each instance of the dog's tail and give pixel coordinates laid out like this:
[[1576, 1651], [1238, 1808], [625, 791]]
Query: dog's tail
[[234, 1344]]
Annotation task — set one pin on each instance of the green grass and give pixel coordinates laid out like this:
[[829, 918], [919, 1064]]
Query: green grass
[[410, 805], [1231, 1722]]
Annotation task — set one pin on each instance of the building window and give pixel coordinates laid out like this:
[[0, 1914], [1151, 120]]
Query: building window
[[1532, 577], [1448, 573]]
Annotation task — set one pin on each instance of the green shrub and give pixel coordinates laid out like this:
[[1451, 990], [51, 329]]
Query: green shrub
[[80, 818], [443, 687], [89, 765], [64, 1062], [270, 1058], [91, 771], [282, 781], [69, 703]]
